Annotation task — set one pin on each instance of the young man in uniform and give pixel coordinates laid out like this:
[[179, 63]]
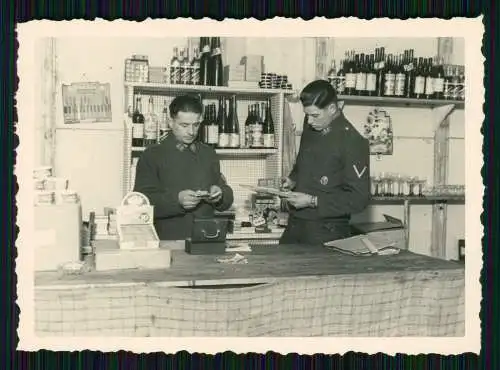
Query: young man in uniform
[[172, 173], [331, 176]]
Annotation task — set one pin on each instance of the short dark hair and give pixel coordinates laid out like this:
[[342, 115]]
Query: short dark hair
[[185, 103], [319, 93]]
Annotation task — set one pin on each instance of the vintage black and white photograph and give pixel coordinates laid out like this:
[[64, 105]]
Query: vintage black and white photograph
[[251, 185]]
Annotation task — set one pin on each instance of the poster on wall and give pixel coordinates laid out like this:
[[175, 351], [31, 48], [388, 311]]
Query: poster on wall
[[86, 102], [378, 131]]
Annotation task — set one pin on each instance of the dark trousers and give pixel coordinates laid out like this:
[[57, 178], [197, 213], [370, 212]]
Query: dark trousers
[[315, 232]]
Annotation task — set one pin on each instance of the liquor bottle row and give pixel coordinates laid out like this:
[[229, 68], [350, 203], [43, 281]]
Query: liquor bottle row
[[203, 67], [220, 127], [147, 129], [403, 76]]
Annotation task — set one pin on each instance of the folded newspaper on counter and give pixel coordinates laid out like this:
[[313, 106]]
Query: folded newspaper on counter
[[364, 245]]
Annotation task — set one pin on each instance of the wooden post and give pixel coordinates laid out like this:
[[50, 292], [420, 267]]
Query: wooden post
[[441, 163], [48, 99]]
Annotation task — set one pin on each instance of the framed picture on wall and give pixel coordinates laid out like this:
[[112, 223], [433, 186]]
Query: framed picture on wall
[[378, 131]]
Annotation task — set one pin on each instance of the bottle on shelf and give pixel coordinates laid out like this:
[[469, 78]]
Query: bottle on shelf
[[361, 76], [175, 68], [438, 79], [150, 125], [350, 76], [399, 86], [185, 67], [332, 75], [212, 128], [195, 67], [222, 124], [137, 125], [233, 124], [429, 80], [257, 139], [380, 67], [389, 77], [461, 84], [419, 86], [371, 77], [202, 132], [205, 76], [216, 63], [341, 79], [410, 75], [268, 128], [249, 126], [165, 119]]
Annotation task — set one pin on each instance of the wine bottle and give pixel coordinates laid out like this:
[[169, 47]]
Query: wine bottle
[[175, 68], [410, 75], [341, 79], [137, 125], [257, 139], [185, 67], [350, 77], [222, 124], [268, 128], [419, 86], [212, 129], [429, 80], [249, 127], [438, 80], [234, 125], [399, 87], [389, 77], [164, 123], [361, 75], [205, 77], [461, 84], [195, 67], [216, 62], [150, 125], [380, 71], [371, 77]]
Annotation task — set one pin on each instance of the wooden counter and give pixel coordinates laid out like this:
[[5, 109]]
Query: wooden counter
[[281, 291]]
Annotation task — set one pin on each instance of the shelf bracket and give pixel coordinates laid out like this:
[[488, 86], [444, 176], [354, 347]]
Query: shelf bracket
[[439, 114]]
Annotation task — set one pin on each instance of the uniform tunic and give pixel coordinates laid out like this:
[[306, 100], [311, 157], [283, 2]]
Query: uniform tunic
[[166, 169], [334, 166]]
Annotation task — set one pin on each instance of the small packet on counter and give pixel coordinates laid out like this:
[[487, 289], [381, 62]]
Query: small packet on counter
[[236, 259], [242, 247]]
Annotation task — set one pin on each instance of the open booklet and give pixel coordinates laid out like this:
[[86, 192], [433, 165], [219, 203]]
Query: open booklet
[[364, 245]]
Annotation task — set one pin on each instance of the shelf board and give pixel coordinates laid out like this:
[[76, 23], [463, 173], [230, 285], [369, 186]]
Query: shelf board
[[241, 152], [417, 199], [398, 102], [149, 87]]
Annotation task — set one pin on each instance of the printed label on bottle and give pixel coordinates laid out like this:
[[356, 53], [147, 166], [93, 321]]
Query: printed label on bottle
[[234, 140], [150, 128], [195, 76], [216, 51], [399, 87], [408, 67], [379, 65], [340, 84], [429, 86], [389, 84], [175, 75], [419, 85], [460, 91], [371, 82], [138, 131], [212, 134], [223, 140], [206, 49], [361, 82], [186, 75], [268, 140], [438, 85], [350, 80], [257, 139]]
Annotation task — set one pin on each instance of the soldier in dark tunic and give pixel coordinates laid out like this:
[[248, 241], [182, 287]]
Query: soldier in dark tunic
[[331, 176], [171, 173]]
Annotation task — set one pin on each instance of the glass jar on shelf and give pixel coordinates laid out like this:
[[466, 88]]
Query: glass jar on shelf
[[399, 185], [375, 184], [412, 182], [421, 185], [390, 184]]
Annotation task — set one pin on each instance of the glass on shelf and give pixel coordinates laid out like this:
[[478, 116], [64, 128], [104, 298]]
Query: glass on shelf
[[421, 185], [412, 182]]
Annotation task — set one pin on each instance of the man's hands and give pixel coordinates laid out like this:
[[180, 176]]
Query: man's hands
[[300, 200], [287, 184], [189, 199]]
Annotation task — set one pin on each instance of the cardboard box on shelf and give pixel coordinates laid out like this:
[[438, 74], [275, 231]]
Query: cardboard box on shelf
[[254, 66]]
